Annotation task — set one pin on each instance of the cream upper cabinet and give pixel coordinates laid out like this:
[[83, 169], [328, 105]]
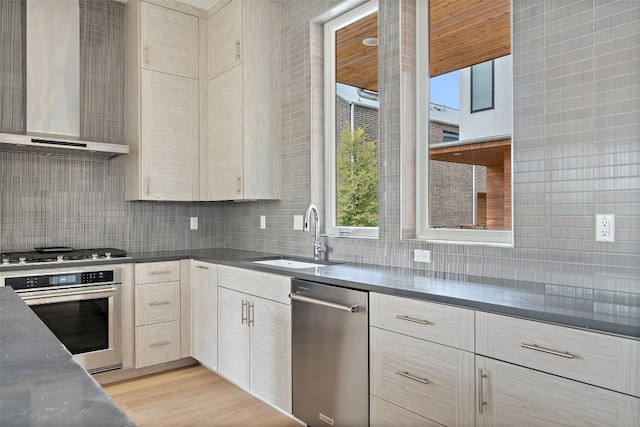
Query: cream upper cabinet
[[161, 103], [244, 145], [204, 294], [254, 333], [169, 41]]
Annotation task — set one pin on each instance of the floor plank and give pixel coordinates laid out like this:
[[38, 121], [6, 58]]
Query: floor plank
[[192, 396]]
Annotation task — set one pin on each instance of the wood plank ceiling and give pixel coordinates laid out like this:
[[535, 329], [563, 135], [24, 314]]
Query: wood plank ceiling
[[462, 33]]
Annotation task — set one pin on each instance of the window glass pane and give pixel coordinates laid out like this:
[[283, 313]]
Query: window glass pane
[[482, 86], [351, 112]]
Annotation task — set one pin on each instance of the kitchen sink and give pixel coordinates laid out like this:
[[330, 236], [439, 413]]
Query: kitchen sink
[[289, 263]]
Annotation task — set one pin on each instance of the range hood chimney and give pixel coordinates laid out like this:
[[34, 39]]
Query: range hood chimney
[[53, 83]]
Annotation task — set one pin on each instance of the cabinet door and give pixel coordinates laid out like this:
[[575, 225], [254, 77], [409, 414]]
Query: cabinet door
[[169, 41], [520, 396], [233, 337], [169, 136], [270, 326], [225, 131], [205, 314], [225, 38]]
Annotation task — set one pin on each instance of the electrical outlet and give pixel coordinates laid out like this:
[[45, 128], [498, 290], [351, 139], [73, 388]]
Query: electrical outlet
[[194, 222], [263, 222], [420, 255], [605, 228], [297, 222]]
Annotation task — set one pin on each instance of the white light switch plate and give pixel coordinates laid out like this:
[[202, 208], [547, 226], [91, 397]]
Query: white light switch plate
[[297, 222], [194, 222], [263, 222]]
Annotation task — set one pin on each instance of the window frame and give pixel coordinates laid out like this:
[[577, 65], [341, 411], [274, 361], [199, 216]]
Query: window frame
[[493, 88], [423, 231], [330, 29]]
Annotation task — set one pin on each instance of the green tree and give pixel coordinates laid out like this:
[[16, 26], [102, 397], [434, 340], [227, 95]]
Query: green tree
[[357, 179]]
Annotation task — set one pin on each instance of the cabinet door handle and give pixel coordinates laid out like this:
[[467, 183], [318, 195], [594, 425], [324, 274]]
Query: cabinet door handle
[[161, 343], [202, 267], [536, 347], [146, 54], [412, 377], [238, 184], [251, 315], [414, 320], [155, 303], [153, 273], [244, 310], [147, 185], [481, 401], [237, 49]]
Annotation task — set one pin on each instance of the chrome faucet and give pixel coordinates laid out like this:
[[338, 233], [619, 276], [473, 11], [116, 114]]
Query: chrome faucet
[[318, 247]]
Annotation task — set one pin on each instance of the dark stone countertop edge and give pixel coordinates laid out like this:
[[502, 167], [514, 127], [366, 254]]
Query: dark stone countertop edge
[[507, 297], [40, 381]]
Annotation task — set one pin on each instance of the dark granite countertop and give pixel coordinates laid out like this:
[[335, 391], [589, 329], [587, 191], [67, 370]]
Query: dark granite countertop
[[593, 309], [41, 384]]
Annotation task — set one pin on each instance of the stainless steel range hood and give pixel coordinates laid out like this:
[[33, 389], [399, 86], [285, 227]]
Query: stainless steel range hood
[[53, 84]]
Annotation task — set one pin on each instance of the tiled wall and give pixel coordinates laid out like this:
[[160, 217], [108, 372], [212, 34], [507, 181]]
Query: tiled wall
[[576, 146], [576, 153], [76, 200]]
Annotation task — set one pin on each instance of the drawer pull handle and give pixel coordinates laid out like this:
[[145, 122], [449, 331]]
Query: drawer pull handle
[[202, 267], [412, 377], [411, 319], [155, 303], [160, 272], [161, 343], [548, 350], [481, 401]]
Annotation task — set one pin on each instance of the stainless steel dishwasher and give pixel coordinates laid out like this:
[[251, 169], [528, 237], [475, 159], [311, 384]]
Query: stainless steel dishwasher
[[330, 355]]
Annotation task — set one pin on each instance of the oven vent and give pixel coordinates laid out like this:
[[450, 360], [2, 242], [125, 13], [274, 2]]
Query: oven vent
[[105, 369]]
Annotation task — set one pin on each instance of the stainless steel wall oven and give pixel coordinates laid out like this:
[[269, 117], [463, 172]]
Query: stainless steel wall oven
[[81, 308]]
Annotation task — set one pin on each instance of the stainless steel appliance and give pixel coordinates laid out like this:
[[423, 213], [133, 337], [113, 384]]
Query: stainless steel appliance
[[330, 356], [81, 308], [60, 254]]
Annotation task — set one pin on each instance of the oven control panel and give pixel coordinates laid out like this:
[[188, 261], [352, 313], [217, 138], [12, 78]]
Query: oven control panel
[[62, 279]]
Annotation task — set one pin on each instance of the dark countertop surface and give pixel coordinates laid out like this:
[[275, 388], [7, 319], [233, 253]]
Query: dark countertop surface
[[593, 309], [41, 384]]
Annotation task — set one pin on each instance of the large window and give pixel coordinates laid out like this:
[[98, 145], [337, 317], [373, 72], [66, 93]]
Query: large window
[[351, 128], [463, 82]]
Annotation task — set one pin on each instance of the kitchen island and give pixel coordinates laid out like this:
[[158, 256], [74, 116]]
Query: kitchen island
[[41, 384]]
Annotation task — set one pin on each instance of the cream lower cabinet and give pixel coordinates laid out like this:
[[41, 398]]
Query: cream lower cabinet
[[157, 313], [510, 395], [415, 378], [254, 334], [204, 308], [539, 374]]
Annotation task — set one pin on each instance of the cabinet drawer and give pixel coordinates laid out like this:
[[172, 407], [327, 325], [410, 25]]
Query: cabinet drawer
[[517, 396], [431, 380], [154, 272], [257, 283], [439, 323], [384, 414], [157, 302], [157, 343], [593, 358]]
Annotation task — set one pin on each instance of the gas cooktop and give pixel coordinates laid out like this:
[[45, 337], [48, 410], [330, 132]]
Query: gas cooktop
[[60, 254]]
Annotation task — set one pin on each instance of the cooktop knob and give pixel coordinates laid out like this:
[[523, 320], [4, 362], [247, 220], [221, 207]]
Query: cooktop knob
[[107, 255], [22, 260], [94, 256], [60, 258], [5, 260]]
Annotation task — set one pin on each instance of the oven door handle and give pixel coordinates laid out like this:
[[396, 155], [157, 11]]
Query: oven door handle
[[62, 294]]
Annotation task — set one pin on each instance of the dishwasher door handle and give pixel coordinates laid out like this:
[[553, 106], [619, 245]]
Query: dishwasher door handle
[[349, 308]]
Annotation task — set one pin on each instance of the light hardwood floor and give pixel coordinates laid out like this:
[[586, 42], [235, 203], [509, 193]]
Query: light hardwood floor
[[192, 396]]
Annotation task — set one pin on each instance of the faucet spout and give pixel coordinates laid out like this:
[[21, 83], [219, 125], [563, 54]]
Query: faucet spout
[[318, 247]]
